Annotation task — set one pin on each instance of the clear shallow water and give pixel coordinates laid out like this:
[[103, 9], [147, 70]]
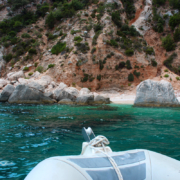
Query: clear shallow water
[[30, 134]]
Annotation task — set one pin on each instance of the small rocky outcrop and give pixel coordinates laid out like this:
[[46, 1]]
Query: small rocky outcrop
[[69, 93], [157, 94], [87, 99], [6, 93], [66, 101], [26, 95], [101, 100]]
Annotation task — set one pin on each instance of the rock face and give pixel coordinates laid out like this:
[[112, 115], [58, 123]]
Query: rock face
[[26, 95], [7, 91], [152, 93]]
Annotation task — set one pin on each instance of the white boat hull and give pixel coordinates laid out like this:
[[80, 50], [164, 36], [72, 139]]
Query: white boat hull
[[133, 164]]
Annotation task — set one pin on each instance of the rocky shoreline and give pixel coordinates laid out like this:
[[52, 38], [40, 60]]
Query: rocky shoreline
[[42, 90]]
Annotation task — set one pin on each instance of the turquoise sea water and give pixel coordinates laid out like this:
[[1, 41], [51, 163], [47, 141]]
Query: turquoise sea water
[[29, 134]]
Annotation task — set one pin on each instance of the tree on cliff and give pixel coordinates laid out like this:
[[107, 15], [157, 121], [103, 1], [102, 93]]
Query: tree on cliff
[[17, 4]]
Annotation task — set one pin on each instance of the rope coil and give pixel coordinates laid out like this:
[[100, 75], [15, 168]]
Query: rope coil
[[101, 141]]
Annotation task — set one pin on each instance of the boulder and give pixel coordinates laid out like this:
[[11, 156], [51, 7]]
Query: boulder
[[36, 85], [35, 75], [6, 93], [85, 99], [66, 101], [15, 75], [3, 83], [152, 93], [58, 90], [84, 91], [101, 100], [49, 94], [44, 81], [23, 81], [26, 95], [69, 93]]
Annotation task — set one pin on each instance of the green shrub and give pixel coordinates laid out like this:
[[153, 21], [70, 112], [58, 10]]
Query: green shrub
[[116, 67], [129, 52], [168, 43], [93, 50], [32, 51], [129, 8], [178, 78], [25, 35], [113, 43], [83, 47], [116, 18], [50, 20], [175, 4], [149, 50], [174, 20], [153, 63], [26, 69], [177, 34], [97, 27], [30, 74], [126, 30], [159, 2], [99, 77], [78, 39], [75, 31], [59, 47], [12, 33], [130, 77], [122, 65], [93, 15], [96, 37], [35, 64], [169, 60], [128, 64], [166, 75], [137, 74], [51, 36], [8, 57], [39, 69], [166, 70], [51, 66], [85, 78], [101, 66]]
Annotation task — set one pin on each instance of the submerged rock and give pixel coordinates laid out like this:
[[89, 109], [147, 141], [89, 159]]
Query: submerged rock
[[26, 95], [66, 101], [6, 93], [152, 93]]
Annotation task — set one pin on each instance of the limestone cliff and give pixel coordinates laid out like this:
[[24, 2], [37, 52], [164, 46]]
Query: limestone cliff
[[101, 45]]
